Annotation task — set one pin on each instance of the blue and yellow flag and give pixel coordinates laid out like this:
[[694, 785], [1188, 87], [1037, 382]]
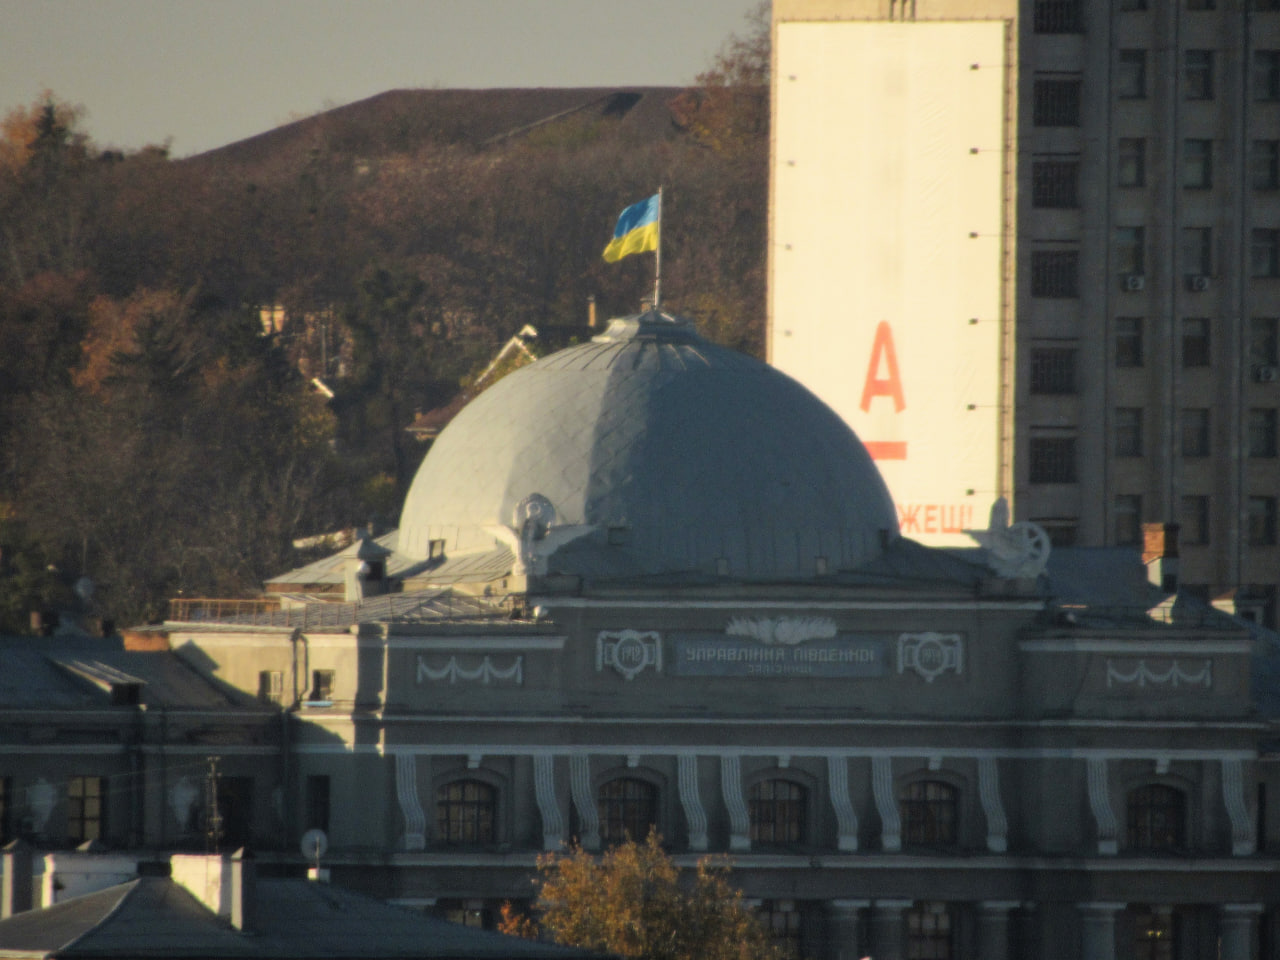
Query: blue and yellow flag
[[637, 230]]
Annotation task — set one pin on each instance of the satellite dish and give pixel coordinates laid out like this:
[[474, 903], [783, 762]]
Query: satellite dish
[[314, 844]]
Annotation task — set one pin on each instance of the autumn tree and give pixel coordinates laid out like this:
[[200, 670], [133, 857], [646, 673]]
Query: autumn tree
[[634, 902]]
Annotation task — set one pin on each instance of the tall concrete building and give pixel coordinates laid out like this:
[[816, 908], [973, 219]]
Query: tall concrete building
[[1068, 213]]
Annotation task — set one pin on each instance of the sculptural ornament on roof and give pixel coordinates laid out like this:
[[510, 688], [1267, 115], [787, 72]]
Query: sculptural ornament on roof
[[1014, 550]]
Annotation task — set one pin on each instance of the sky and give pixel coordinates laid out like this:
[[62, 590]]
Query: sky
[[197, 74]]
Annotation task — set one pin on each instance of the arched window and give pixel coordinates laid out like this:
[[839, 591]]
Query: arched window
[[777, 812], [928, 809], [466, 811], [627, 807], [1157, 818]]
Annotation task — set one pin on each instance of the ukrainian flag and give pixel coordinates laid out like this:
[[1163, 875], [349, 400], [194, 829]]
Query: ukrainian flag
[[637, 229]]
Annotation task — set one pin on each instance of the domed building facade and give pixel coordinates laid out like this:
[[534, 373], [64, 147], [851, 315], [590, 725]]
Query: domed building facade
[[648, 584]]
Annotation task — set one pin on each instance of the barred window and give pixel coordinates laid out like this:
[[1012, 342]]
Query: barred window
[[1198, 74], [1264, 165], [777, 812], [1157, 819], [1266, 75], [1055, 273], [1058, 16], [1127, 513], [1131, 162], [1128, 341], [1197, 164], [1154, 936], [1262, 432], [86, 809], [1055, 101], [929, 813], [1053, 370], [1195, 520], [1131, 75], [1262, 521], [1195, 342], [628, 808], [466, 812], [1053, 460], [1128, 431], [930, 932], [1055, 183], [270, 686], [1195, 432]]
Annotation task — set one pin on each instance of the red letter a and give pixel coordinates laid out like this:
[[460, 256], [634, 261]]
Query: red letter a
[[891, 387]]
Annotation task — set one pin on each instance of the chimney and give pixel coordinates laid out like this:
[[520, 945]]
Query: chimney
[[591, 311], [15, 891], [244, 892], [1160, 555]]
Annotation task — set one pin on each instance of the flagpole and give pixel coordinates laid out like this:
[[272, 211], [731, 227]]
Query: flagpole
[[657, 259]]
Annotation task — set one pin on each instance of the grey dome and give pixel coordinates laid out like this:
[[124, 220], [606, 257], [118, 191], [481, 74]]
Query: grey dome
[[680, 456]]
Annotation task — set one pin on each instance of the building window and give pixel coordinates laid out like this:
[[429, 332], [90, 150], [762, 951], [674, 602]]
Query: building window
[[1053, 460], [317, 811], [628, 808], [1053, 370], [466, 812], [1129, 249], [1058, 16], [1195, 520], [467, 913], [1264, 165], [1263, 341], [1127, 508], [86, 809], [1128, 341], [1198, 75], [1197, 251], [1131, 6], [1264, 253], [1262, 432], [929, 813], [1055, 273], [783, 921], [270, 686], [1131, 168], [1195, 432], [1131, 75], [1195, 342], [1055, 101], [1262, 521], [1128, 431], [1062, 531], [1200, 4], [1055, 183], [930, 932], [234, 810], [1197, 164], [321, 686], [1266, 75], [1157, 819], [777, 812], [1153, 935]]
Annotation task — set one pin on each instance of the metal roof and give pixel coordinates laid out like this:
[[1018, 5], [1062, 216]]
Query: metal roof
[[679, 454], [156, 917]]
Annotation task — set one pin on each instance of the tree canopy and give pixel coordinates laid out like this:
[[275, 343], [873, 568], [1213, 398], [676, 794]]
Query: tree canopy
[[633, 901]]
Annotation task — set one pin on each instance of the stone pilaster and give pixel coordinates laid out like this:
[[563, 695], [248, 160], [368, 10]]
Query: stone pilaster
[[888, 929], [994, 934], [1098, 930], [1239, 925], [846, 927]]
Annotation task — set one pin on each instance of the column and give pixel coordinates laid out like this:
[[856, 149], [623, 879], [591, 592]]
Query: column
[[992, 806], [1243, 838], [846, 928], [584, 801], [734, 803], [691, 800], [544, 792], [415, 822], [888, 930], [993, 928], [1098, 930], [1100, 803], [1240, 931], [846, 818], [886, 803]]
